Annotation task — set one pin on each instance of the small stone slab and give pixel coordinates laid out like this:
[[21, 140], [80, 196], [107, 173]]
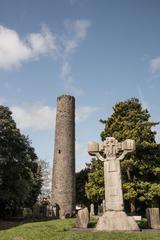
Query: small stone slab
[[92, 209], [153, 217], [82, 219], [137, 218]]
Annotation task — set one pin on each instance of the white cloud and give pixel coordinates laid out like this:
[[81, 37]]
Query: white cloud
[[42, 43], [158, 134], [14, 50], [38, 117], [145, 104], [154, 65], [76, 31], [82, 113], [42, 117], [66, 76], [66, 72]]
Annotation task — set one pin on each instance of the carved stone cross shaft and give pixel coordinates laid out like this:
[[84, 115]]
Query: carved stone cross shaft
[[111, 152]]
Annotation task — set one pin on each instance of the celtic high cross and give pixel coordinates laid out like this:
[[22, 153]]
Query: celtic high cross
[[111, 152]]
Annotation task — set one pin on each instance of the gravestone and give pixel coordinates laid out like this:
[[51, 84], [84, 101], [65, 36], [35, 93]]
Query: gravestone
[[92, 210], [55, 210], [82, 219], [153, 217], [36, 210], [100, 209], [111, 152]]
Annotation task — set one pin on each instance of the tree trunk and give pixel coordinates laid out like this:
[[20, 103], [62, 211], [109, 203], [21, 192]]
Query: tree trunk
[[96, 208], [133, 206]]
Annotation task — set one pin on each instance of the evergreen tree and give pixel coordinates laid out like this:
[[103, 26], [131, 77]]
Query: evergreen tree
[[94, 187], [81, 179], [20, 177], [140, 170]]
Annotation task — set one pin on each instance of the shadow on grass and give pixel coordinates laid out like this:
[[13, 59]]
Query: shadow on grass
[[93, 222], [11, 223], [8, 224]]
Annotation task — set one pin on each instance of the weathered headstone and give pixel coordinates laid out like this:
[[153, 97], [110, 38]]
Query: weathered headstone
[[55, 210], [63, 177], [43, 210], [111, 152], [153, 217], [92, 210], [36, 210], [100, 209], [50, 212], [82, 219]]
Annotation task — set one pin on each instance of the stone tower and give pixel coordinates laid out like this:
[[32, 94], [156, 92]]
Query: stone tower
[[63, 176]]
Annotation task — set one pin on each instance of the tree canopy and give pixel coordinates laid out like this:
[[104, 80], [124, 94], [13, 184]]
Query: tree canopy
[[81, 179], [20, 176], [140, 170], [94, 187]]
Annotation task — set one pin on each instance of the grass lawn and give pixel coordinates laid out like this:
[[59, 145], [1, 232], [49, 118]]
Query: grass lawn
[[62, 230]]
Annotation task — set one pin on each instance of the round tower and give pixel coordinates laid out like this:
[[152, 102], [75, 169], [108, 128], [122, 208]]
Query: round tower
[[63, 177]]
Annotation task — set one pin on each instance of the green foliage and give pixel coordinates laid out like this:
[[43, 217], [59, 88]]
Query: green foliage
[[27, 213], [81, 179], [20, 177], [129, 120], [95, 185], [140, 170], [143, 224]]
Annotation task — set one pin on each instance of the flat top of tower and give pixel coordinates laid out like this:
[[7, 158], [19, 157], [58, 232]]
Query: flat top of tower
[[65, 96]]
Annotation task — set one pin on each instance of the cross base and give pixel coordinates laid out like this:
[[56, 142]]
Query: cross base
[[116, 221]]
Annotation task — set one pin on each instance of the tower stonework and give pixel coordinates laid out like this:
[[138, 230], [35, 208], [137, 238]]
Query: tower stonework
[[63, 176]]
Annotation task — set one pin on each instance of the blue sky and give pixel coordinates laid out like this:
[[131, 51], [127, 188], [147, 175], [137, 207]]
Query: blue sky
[[101, 52]]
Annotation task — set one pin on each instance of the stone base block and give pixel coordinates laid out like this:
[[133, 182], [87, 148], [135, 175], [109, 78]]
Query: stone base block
[[116, 221], [153, 218]]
